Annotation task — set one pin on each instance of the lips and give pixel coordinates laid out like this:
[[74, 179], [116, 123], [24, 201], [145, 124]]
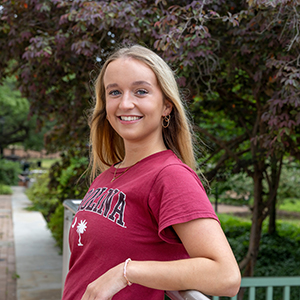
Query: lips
[[129, 118]]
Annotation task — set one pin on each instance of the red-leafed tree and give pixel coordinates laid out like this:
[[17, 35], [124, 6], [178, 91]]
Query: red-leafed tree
[[238, 64], [245, 75]]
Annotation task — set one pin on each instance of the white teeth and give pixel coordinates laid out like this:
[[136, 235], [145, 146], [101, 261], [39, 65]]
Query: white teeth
[[129, 118]]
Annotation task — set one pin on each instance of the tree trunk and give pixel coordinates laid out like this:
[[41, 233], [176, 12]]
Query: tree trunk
[[248, 263], [275, 177], [272, 217]]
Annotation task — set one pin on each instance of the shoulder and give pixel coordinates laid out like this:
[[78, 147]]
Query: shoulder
[[173, 177], [172, 170], [166, 159]]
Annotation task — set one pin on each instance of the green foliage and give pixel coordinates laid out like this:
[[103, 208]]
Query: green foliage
[[290, 204], [273, 247], [42, 198], [52, 188], [14, 110], [279, 255], [5, 189], [56, 225], [233, 226], [289, 181], [284, 245], [46, 163], [236, 189], [237, 232], [11, 100], [9, 172], [68, 178], [290, 230], [16, 126], [15, 276]]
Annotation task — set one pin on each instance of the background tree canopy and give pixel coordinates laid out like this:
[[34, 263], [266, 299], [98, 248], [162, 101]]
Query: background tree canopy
[[236, 61], [15, 127]]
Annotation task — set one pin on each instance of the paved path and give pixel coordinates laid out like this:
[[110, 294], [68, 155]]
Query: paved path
[[8, 282], [231, 209], [36, 262]]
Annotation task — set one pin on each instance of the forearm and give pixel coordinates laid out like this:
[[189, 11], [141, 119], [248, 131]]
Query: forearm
[[212, 268], [203, 274]]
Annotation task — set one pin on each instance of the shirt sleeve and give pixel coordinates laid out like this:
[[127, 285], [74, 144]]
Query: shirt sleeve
[[178, 196]]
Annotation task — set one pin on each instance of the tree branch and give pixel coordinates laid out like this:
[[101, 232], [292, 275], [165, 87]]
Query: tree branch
[[222, 144]]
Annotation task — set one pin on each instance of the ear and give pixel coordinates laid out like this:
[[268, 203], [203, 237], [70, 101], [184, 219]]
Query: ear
[[168, 106]]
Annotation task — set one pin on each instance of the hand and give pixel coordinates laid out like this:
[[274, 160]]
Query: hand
[[107, 285]]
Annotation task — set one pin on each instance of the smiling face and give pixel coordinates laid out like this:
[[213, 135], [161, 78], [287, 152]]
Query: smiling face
[[134, 101]]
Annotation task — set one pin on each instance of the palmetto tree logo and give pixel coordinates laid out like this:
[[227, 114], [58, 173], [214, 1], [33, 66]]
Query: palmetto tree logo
[[81, 228]]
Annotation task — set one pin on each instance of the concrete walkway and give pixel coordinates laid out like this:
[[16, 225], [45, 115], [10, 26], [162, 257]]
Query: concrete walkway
[[38, 263], [8, 280]]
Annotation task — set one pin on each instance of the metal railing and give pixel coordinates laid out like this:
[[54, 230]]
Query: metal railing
[[269, 283], [70, 208], [250, 283]]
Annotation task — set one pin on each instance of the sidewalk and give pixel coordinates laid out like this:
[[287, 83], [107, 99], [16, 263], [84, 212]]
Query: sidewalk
[[8, 282], [36, 264]]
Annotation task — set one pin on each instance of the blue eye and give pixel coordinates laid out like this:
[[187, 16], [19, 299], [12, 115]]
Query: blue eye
[[114, 93], [142, 92]]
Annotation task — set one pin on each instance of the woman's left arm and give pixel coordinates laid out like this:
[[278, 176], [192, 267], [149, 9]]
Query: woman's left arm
[[212, 268]]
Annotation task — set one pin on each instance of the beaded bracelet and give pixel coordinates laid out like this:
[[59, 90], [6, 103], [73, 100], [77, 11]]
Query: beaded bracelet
[[125, 270]]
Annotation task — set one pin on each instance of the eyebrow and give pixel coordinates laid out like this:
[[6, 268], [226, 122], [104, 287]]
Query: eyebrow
[[141, 82], [111, 85]]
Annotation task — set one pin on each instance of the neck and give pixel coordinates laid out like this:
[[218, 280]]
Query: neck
[[135, 153]]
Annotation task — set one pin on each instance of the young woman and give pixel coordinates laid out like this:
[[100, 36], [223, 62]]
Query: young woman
[[146, 224]]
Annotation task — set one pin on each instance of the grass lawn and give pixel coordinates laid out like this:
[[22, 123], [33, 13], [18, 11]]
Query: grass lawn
[[290, 204], [292, 222], [46, 162], [292, 208]]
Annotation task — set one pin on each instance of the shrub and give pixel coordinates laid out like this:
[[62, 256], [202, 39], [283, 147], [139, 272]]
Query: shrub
[[237, 232], [51, 189], [290, 204], [64, 177], [284, 245], [237, 189], [42, 198], [289, 179], [278, 254], [5, 189], [56, 225], [9, 172], [271, 249]]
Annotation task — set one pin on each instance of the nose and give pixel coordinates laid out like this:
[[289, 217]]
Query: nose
[[126, 101]]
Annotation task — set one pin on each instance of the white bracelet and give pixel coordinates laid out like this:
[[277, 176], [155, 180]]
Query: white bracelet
[[125, 270]]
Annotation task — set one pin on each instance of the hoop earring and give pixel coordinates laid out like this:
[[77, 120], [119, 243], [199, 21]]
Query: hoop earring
[[166, 121]]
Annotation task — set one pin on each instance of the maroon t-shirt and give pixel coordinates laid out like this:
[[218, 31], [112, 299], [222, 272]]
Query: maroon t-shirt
[[132, 217]]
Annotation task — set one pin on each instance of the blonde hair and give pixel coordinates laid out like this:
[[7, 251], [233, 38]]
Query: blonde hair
[[107, 146]]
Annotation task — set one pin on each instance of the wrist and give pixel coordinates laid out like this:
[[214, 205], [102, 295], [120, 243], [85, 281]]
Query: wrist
[[125, 266]]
